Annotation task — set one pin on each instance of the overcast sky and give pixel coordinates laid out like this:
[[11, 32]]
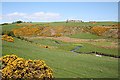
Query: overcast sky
[[59, 11]]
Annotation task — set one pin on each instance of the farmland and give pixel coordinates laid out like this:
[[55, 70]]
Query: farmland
[[53, 42]]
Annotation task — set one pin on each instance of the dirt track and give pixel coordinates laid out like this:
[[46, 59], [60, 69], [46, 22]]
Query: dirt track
[[68, 39]]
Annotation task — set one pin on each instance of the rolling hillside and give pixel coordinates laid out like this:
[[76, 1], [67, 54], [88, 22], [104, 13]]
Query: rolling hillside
[[63, 46]]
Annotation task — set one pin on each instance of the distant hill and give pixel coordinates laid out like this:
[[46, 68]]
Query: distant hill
[[56, 29]]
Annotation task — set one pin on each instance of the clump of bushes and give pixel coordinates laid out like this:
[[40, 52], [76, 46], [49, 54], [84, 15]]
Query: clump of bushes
[[9, 33], [15, 68], [8, 38], [26, 31], [99, 30], [17, 22], [5, 24], [57, 35]]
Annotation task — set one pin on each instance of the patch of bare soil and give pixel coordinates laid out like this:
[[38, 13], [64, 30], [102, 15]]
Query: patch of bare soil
[[68, 39], [111, 46]]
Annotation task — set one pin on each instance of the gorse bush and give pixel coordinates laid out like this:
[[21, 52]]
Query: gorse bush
[[8, 38], [26, 31], [18, 68], [99, 30]]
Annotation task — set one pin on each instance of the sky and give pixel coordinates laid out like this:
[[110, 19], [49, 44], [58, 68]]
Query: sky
[[59, 11], [60, 0]]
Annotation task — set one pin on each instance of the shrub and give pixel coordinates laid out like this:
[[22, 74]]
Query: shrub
[[99, 30], [19, 22], [10, 33], [4, 32], [8, 38], [26, 31], [18, 68], [57, 35], [4, 24]]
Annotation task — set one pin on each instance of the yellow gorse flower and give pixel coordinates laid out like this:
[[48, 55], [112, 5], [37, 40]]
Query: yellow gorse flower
[[99, 30], [19, 68], [8, 38]]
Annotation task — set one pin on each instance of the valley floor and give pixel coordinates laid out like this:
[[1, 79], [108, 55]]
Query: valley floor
[[65, 64], [113, 44]]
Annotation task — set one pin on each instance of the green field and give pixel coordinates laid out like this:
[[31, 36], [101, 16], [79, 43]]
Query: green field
[[58, 55], [85, 36], [86, 47], [55, 24], [64, 63], [77, 24]]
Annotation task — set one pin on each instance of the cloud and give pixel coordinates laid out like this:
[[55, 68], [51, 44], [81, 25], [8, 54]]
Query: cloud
[[33, 16], [16, 14], [43, 16]]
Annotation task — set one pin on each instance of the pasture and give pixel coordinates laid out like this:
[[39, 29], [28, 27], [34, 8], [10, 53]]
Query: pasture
[[58, 54]]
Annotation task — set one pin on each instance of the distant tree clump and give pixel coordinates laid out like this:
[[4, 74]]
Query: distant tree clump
[[4, 24], [17, 22]]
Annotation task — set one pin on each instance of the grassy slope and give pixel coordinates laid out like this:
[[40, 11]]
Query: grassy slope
[[78, 24], [65, 63], [9, 27], [12, 26], [87, 47], [50, 42], [57, 24], [85, 36]]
